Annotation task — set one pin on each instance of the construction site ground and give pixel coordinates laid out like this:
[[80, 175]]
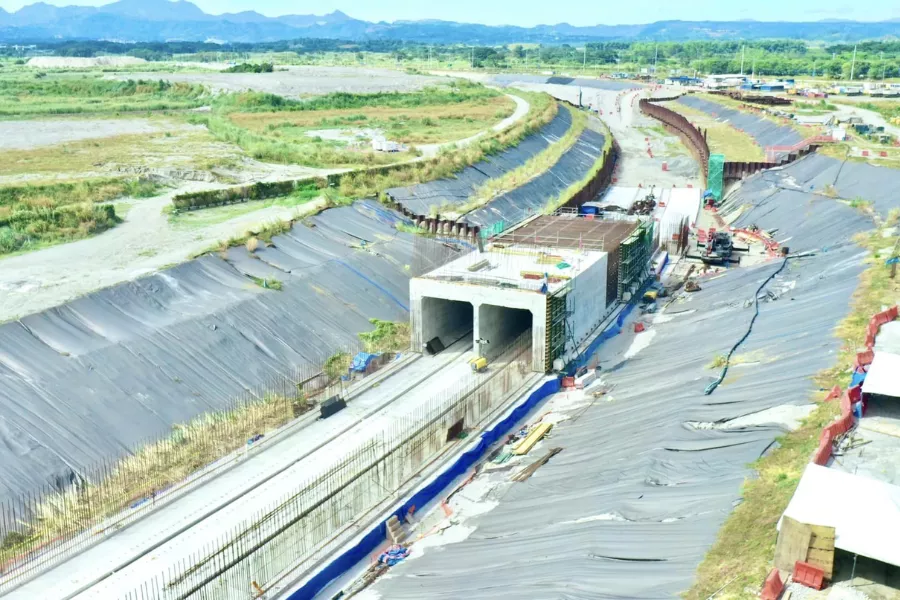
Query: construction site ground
[[190, 522]]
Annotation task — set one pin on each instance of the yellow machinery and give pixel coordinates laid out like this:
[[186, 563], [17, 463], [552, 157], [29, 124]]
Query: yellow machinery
[[525, 446], [479, 365]]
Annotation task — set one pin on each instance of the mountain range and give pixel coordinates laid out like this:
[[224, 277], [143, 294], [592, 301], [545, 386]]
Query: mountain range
[[163, 20]]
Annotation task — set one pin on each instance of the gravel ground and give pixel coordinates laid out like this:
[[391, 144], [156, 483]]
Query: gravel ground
[[302, 81], [25, 135], [143, 244]]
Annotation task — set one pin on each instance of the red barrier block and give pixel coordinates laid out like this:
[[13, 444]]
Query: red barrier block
[[773, 586], [833, 394], [639, 328], [568, 382], [864, 359], [808, 575], [855, 394], [822, 454], [846, 404]]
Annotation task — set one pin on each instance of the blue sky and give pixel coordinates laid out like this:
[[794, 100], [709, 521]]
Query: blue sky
[[532, 12]]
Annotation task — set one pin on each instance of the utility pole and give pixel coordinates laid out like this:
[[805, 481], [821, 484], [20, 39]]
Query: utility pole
[[742, 59], [853, 63], [655, 58], [883, 67], [584, 63], [473, 58]]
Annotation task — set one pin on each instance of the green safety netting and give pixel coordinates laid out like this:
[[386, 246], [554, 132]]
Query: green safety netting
[[716, 178]]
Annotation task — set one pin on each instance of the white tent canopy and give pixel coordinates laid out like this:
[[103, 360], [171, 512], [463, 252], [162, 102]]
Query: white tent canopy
[[884, 375], [865, 513]]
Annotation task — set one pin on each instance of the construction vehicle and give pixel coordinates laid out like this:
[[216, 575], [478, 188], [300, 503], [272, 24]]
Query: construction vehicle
[[479, 364], [719, 250], [644, 206]]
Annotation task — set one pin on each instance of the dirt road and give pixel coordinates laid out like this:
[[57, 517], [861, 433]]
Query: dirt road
[[146, 242], [635, 134]]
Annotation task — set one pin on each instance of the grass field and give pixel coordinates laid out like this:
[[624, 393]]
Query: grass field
[[36, 216], [422, 125], [322, 131], [221, 214], [450, 161], [722, 137], [737, 564], [25, 94]]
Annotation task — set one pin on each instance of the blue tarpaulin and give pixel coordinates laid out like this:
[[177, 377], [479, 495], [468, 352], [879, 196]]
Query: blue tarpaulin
[[378, 534], [361, 361]]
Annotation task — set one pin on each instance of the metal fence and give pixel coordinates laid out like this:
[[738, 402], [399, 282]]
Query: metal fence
[[285, 541], [49, 525]]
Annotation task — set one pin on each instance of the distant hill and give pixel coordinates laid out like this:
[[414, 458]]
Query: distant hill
[[162, 20]]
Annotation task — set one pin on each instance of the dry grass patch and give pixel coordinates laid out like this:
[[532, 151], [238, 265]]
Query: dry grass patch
[[418, 125], [151, 469], [179, 150], [723, 138]]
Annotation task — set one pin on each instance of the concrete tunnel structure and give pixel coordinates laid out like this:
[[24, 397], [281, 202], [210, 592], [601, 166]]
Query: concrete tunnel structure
[[557, 277]]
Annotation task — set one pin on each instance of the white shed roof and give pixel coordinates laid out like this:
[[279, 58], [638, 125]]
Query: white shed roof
[[883, 377], [865, 513]]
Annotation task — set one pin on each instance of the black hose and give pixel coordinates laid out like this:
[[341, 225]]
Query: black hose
[[712, 386]]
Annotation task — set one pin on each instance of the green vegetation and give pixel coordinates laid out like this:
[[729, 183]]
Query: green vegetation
[[450, 161], [820, 106], [888, 110], [723, 138], [768, 57], [386, 337], [275, 129], [153, 468], [72, 93], [35, 216], [742, 555], [215, 215], [269, 284], [251, 68], [337, 364], [304, 189]]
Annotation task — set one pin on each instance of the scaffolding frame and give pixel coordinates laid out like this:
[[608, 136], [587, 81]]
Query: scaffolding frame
[[636, 252]]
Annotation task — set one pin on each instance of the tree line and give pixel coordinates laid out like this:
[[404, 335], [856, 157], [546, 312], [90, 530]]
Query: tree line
[[780, 57]]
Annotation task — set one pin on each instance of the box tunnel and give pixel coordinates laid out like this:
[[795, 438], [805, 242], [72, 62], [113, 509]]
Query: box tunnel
[[446, 320]]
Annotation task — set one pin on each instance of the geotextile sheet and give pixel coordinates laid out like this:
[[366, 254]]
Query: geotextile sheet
[[88, 381]]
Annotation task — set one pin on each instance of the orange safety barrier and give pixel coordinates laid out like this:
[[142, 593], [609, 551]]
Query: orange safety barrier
[[773, 586], [809, 575]]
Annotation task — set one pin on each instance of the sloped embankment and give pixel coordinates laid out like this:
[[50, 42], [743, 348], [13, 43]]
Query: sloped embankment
[[637, 495], [87, 381]]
